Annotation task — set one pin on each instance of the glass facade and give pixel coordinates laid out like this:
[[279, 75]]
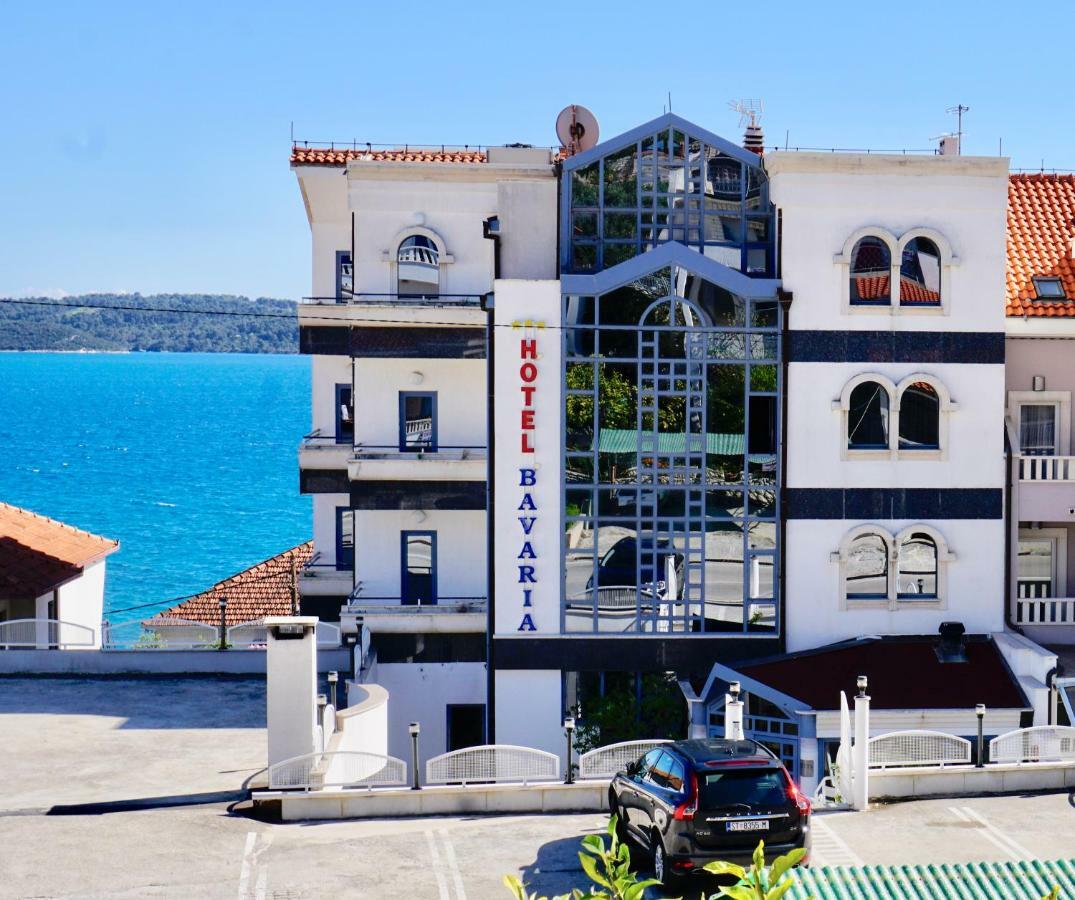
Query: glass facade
[[670, 443], [665, 184]]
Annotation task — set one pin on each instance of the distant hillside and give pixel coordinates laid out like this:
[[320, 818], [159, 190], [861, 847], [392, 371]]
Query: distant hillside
[[29, 327]]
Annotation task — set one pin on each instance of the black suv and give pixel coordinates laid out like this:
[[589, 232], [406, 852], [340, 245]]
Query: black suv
[[621, 566], [692, 802]]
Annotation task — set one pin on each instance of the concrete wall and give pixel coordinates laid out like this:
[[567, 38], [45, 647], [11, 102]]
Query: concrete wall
[[460, 550], [151, 662], [1027, 357], [954, 781], [325, 524], [326, 373], [82, 600], [420, 692], [529, 709]]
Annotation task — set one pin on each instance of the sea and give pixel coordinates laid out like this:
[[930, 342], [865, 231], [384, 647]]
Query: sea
[[189, 460]]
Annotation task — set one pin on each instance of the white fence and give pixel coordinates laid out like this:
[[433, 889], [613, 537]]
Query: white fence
[[340, 769], [604, 762], [493, 763], [1045, 611], [163, 634], [918, 748], [1043, 743], [1047, 468], [44, 634], [252, 636]]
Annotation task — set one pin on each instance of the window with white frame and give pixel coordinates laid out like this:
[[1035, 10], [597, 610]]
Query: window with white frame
[[1041, 569], [1042, 420], [908, 420], [882, 570], [887, 275]]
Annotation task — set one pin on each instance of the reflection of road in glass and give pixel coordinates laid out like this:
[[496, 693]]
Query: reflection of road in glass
[[619, 607]]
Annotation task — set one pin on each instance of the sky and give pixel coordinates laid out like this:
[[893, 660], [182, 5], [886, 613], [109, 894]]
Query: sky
[[145, 145]]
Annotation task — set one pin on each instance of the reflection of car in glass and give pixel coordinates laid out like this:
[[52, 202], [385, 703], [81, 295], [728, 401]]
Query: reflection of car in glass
[[692, 802], [618, 568]]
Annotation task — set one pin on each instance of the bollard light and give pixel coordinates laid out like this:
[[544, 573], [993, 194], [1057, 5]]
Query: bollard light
[[861, 683], [979, 711], [223, 628], [569, 730], [333, 677], [414, 728], [734, 688]]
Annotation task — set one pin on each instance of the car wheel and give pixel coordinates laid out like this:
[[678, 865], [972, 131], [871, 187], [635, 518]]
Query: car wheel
[[662, 869]]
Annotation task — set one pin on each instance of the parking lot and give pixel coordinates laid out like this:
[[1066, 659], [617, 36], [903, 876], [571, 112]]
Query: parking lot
[[102, 804]]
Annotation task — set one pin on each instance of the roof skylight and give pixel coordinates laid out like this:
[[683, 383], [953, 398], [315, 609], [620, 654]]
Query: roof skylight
[[1049, 289]]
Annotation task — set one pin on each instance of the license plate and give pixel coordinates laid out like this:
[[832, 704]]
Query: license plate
[[749, 825]]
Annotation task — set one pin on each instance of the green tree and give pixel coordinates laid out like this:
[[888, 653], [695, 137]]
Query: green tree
[[618, 716]]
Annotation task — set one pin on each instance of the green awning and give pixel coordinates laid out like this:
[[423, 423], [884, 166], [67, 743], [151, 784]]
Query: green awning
[[968, 881], [625, 440]]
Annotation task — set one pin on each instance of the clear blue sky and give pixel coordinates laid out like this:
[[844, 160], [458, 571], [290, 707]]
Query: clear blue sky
[[145, 144]]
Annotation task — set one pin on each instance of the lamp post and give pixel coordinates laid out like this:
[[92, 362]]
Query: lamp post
[[979, 711], [414, 729], [333, 677], [569, 730], [860, 751], [223, 627]]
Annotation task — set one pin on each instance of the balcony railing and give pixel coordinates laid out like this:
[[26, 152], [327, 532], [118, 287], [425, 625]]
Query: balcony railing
[[318, 566], [439, 452], [1045, 611], [318, 440], [402, 300], [360, 604], [1047, 468]]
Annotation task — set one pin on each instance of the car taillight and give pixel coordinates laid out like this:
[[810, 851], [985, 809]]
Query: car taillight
[[687, 809], [800, 799]]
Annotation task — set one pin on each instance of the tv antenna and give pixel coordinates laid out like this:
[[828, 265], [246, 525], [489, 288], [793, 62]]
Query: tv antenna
[[750, 111], [958, 111], [577, 129]]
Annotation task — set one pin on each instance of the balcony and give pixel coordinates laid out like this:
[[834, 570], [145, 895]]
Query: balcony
[[386, 462], [394, 309], [320, 577], [391, 615], [325, 451], [1046, 488]]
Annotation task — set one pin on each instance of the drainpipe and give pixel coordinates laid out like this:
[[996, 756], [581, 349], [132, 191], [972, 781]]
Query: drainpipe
[[1011, 525], [785, 299], [1054, 692]]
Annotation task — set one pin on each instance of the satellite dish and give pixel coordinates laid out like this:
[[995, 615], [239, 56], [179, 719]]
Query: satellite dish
[[577, 129]]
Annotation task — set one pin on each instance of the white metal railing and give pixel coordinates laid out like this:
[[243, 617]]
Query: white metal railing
[[1045, 611], [45, 634], [343, 768], [604, 762], [918, 748], [252, 635], [1042, 743], [1047, 468], [420, 256], [493, 763]]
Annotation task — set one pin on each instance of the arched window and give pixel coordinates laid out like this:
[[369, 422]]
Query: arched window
[[417, 267], [916, 573], [920, 417], [867, 567], [920, 273], [871, 268], [867, 417]]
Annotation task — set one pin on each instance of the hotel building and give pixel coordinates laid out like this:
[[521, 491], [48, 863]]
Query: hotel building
[[668, 406]]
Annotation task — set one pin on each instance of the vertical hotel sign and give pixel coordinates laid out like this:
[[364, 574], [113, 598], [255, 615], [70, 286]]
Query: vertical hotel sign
[[527, 433]]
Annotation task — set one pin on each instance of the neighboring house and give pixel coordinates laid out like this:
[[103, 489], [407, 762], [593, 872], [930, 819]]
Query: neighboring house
[[1040, 380], [265, 589], [659, 405], [52, 579]]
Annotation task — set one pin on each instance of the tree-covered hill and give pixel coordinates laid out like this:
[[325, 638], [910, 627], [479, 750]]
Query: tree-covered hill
[[25, 326]]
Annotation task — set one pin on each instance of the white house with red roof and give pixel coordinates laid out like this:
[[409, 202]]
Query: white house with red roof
[[52, 578]]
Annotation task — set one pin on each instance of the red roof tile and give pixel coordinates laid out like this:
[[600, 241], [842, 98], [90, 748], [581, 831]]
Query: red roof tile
[[321, 156], [904, 673], [38, 554], [262, 590], [875, 287], [1041, 226]]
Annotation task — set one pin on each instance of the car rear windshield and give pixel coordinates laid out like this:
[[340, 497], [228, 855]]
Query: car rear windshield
[[737, 787]]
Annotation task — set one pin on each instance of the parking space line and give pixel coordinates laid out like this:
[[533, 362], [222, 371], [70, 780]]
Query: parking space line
[[250, 871], [1012, 847], [827, 848], [442, 883], [453, 865]]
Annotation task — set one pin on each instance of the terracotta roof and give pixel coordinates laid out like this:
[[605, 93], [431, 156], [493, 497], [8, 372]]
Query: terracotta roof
[[38, 554], [903, 672], [321, 156], [262, 590], [1041, 226], [874, 287]]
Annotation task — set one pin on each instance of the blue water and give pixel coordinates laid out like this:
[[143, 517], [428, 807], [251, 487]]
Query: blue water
[[188, 459]]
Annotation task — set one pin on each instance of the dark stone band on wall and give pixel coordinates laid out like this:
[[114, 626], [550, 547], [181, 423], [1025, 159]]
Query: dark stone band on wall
[[324, 481], [895, 347], [418, 495], [893, 503], [327, 340], [629, 654], [418, 343]]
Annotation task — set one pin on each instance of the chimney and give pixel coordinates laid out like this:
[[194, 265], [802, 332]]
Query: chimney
[[950, 145], [754, 138], [950, 648]]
